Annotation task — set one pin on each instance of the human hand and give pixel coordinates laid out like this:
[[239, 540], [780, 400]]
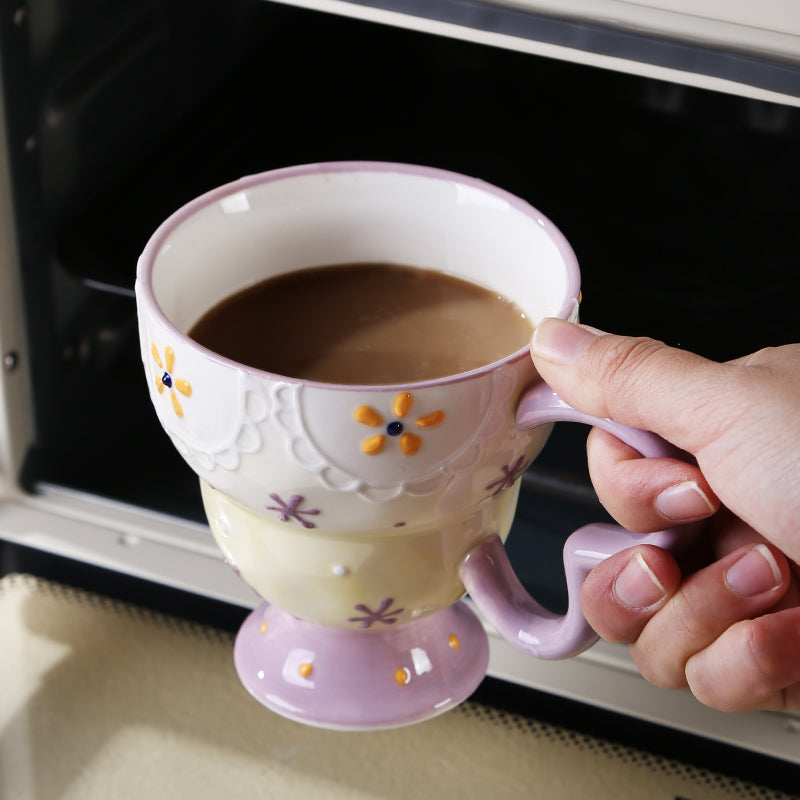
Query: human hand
[[729, 630]]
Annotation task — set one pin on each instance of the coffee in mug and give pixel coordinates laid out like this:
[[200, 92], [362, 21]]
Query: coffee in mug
[[364, 324]]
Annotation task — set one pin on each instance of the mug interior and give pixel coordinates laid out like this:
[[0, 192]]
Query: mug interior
[[344, 213]]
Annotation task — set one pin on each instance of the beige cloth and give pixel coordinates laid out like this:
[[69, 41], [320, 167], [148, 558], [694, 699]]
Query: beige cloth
[[102, 699]]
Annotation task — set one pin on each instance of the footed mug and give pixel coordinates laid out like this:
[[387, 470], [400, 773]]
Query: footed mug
[[360, 555]]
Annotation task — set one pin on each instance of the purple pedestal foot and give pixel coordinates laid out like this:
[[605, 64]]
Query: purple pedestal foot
[[361, 679]]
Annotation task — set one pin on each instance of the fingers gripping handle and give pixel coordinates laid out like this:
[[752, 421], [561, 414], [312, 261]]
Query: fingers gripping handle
[[489, 577], [490, 581]]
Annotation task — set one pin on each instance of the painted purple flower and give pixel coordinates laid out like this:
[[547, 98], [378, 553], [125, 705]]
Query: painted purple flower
[[385, 614], [510, 475], [291, 510]]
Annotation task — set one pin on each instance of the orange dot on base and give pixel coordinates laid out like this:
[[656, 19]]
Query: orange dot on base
[[305, 670], [402, 676]]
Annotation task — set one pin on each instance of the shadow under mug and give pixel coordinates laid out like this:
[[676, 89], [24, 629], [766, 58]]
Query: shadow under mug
[[360, 558]]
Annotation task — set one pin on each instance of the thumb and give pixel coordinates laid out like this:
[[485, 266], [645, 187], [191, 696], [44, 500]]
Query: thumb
[[683, 397]]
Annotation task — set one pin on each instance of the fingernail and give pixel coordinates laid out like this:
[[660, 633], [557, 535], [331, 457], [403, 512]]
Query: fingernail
[[560, 341], [754, 573], [637, 585], [684, 502]]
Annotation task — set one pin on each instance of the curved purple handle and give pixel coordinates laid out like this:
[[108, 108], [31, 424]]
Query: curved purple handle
[[489, 577]]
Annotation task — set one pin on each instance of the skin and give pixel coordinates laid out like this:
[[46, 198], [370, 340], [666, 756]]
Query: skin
[[726, 622]]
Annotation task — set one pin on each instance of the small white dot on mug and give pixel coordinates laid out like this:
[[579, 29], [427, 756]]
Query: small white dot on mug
[[340, 570]]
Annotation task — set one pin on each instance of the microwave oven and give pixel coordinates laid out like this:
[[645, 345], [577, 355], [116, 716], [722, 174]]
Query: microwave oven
[[663, 138]]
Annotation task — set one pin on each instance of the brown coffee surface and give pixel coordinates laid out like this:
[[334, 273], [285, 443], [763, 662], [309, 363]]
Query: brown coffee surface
[[366, 324]]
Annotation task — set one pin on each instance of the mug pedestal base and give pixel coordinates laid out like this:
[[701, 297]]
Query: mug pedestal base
[[361, 679]]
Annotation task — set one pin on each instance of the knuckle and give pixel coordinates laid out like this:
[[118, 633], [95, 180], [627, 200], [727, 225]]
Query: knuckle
[[688, 626], [772, 646], [764, 659], [757, 681], [622, 362], [622, 356], [689, 618], [665, 675]]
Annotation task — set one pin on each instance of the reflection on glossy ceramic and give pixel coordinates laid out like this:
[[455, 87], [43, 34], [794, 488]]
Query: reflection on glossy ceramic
[[360, 514], [381, 676]]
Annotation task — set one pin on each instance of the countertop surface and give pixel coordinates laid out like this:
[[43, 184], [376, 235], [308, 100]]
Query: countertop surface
[[101, 698]]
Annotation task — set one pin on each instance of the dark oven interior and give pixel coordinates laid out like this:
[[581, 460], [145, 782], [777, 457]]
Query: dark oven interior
[[679, 202]]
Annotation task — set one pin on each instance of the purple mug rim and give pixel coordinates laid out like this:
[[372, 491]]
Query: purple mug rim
[[144, 290]]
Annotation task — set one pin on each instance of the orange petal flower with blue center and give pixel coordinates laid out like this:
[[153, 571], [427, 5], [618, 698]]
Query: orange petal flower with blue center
[[168, 381], [409, 442]]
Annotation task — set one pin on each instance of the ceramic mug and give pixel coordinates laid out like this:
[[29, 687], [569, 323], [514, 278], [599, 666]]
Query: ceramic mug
[[359, 546]]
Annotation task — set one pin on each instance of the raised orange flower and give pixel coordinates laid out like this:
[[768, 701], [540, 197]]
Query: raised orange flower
[[168, 381], [410, 443]]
